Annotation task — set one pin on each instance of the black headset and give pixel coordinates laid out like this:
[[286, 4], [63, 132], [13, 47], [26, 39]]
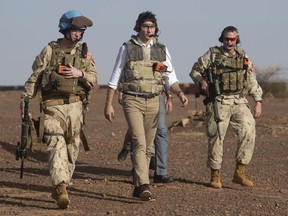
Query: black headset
[[148, 15], [229, 29]]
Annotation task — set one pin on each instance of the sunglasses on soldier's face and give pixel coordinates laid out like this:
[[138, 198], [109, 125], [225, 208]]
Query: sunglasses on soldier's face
[[230, 39], [146, 26]]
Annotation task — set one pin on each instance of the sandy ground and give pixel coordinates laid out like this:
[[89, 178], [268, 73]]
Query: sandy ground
[[103, 186]]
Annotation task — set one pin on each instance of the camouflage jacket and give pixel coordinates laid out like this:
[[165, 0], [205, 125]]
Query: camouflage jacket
[[204, 62], [42, 62]]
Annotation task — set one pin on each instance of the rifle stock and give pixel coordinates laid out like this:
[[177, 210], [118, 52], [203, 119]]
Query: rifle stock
[[22, 145]]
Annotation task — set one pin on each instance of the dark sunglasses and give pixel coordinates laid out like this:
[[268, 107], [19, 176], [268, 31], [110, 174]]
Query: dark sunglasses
[[230, 39]]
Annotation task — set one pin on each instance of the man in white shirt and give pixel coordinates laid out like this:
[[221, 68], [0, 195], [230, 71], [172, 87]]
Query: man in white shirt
[[145, 65]]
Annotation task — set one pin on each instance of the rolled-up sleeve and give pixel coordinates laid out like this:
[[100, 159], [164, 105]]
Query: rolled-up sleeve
[[170, 75], [118, 68], [254, 88]]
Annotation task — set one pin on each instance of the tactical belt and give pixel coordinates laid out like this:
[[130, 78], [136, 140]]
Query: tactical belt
[[62, 101], [140, 94], [230, 92]]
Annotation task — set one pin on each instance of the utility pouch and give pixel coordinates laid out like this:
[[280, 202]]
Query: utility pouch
[[61, 84], [159, 67]]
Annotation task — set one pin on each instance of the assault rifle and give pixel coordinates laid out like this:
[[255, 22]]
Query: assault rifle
[[22, 145], [213, 92]]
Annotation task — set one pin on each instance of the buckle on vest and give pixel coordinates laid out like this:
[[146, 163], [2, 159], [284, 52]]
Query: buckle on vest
[[66, 101]]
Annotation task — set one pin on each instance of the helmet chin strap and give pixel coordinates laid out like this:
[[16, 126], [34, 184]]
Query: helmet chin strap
[[69, 38]]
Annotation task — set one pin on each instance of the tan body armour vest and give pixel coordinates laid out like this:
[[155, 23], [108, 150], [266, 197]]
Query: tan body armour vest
[[230, 71], [55, 85], [139, 75], [55, 88]]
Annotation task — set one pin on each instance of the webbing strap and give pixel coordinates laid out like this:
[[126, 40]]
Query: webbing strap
[[59, 119], [62, 101]]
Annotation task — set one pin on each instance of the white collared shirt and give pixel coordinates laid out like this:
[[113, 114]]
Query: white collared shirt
[[117, 73]]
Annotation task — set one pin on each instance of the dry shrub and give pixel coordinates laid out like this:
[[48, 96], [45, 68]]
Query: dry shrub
[[278, 88], [265, 75]]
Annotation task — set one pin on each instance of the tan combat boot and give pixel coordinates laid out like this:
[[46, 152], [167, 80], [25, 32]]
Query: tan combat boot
[[240, 177], [215, 181], [60, 194]]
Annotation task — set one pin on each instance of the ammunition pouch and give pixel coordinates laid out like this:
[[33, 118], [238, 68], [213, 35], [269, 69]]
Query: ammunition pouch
[[232, 82]]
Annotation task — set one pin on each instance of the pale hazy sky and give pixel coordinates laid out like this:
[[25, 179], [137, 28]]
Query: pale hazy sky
[[188, 28]]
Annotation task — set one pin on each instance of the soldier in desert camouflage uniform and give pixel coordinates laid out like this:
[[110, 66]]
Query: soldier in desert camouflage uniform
[[65, 74], [235, 74]]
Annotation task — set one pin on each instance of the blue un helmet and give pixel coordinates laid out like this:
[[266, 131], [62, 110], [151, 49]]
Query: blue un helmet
[[73, 19]]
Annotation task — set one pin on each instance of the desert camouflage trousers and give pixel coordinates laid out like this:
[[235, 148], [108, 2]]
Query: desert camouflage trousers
[[233, 111], [62, 136]]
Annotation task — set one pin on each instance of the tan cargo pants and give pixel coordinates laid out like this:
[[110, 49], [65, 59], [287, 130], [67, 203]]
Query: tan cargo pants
[[141, 115]]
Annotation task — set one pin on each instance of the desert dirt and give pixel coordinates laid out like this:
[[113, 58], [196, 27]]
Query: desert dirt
[[103, 186]]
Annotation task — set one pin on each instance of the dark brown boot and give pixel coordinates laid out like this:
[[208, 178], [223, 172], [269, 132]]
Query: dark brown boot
[[60, 194], [143, 193], [215, 181], [240, 177]]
